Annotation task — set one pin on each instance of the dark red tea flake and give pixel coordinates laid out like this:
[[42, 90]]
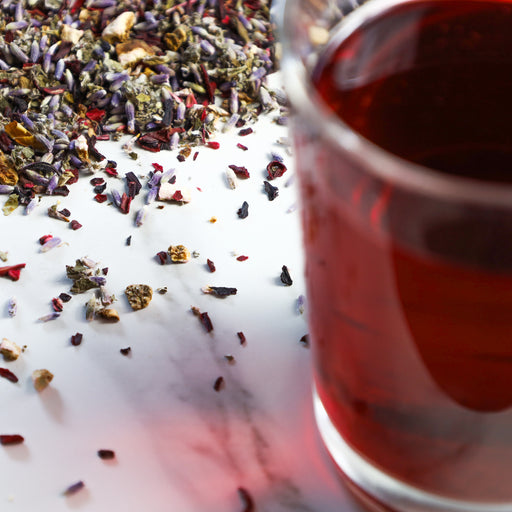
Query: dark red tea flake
[[210, 265], [275, 169], [243, 212], [242, 147], [74, 488], [304, 341], [242, 258], [247, 501], [219, 384], [126, 351], [242, 338], [285, 276], [213, 145], [133, 184], [12, 271], [97, 181], [162, 257], [9, 439], [65, 297], [76, 339], [271, 191], [204, 319], [74, 225], [45, 239], [99, 189], [196, 154], [240, 171], [106, 454], [219, 291], [111, 171], [245, 131], [65, 212], [100, 198], [157, 167], [7, 374]]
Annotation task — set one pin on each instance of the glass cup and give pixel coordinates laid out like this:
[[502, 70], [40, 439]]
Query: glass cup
[[408, 263]]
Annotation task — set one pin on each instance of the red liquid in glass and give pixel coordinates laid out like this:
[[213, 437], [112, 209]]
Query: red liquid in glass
[[411, 298]]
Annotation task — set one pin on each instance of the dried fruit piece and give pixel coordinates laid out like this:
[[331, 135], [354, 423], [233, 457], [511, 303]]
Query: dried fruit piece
[[118, 30], [139, 295], [10, 350], [179, 253], [108, 314], [275, 169], [41, 379]]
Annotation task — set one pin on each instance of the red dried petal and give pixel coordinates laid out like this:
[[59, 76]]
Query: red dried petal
[[75, 225], [157, 167], [101, 198], [275, 169], [76, 339], [95, 114], [45, 239], [162, 257], [7, 439], [111, 171], [12, 271], [211, 265], [240, 171], [7, 374], [245, 131], [126, 201], [242, 147], [242, 258], [57, 304], [177, 196], [213, 145], [241, 337]]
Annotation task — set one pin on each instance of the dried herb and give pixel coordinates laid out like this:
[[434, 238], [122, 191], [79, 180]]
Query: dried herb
[[7, 374], [106, 454], [75, 225], [242, 147], [162, 257], [219, 291], [210, 265], [10, 439], [107, 314], [65, 297], [57, 304], [126, 351], [285, 276], [139, 295], [243, 212], [271, 191], [76, 339], [133, 184], [242, 258]]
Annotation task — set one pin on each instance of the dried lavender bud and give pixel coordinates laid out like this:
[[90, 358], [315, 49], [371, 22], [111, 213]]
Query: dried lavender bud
[[74, 488], [12, 307]]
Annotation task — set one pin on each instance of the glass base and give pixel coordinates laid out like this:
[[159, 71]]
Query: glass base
[[380, 491]]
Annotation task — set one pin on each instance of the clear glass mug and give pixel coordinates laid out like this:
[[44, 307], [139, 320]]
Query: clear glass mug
[[408, 269]]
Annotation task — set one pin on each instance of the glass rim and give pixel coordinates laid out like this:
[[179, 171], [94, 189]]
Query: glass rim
[[381, 163]]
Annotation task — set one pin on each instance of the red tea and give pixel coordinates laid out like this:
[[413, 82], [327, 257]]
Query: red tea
[[411, 296]]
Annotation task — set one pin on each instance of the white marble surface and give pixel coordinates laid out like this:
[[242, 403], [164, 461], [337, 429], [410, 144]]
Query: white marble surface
[[180, 445]]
